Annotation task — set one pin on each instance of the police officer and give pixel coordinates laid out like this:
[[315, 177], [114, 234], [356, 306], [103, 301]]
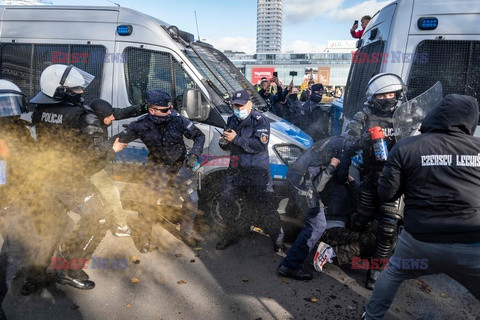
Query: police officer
[[16, 188], [385, 92], [162, 131], [71, 147], [103, 114], [314, 174], [247, 135], [317, 116]]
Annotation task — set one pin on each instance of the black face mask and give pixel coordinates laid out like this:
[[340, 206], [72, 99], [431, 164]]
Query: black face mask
[[315, 97], [293, 97], [386, 106], [72, 97]]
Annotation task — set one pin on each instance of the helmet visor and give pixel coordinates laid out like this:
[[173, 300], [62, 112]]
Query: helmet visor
[[77, 78], [12, 103]]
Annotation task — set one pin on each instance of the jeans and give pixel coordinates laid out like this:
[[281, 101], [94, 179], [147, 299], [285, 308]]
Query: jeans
[[315, 225], [459, 261]]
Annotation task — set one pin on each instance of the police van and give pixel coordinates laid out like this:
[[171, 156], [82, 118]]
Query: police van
[[129, 53], [423, 42]]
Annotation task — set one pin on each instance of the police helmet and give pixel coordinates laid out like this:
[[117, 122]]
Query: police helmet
[[385, 83], [12, 101], [58, 79]]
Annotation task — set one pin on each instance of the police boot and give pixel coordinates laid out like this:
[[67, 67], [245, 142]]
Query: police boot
[[35, 280], [372, 276], [75, 278]]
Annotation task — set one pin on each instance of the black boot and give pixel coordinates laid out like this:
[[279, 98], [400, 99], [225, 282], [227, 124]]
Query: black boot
[[298, 274], [76, 279], [35, 279], [372, 276]]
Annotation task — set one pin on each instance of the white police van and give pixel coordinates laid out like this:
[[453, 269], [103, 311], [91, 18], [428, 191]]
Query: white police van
[[129, 53], [423, 42]]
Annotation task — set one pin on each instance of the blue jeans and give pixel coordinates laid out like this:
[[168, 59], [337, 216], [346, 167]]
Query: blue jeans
[[459, 261], [315, 225]]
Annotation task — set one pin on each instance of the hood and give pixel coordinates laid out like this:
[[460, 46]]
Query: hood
[[455, 113]]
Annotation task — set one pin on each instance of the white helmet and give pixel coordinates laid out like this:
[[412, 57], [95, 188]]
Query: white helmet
[[384, 83], [12, 101], [57, 79]]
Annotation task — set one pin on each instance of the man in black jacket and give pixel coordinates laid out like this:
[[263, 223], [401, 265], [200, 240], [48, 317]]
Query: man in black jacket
[[439, 174]]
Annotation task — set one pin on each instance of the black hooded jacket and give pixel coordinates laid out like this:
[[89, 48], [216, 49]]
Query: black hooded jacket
[[439, 173]]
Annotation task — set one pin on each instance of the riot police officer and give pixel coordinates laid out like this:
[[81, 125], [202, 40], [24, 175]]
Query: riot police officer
[[385, 92], [247, 135], [16, 188], [70, 147], [162, 131]]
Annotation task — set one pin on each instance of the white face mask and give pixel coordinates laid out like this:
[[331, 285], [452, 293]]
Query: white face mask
[[241, 114]]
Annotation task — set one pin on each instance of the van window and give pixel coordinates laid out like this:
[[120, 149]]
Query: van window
[[366, 63], [455, 63], [151, 70], [23, 64]]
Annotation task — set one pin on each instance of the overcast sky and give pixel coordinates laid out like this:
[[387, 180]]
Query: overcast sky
[[231, 25]]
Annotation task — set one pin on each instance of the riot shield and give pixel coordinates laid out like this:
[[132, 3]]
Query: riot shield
[[408, 117]]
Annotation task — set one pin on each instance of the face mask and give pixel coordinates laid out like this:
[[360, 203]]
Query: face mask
[[293, 97], [315, 97], [241, 114], [160, 120], [386, 105], [72, 97]]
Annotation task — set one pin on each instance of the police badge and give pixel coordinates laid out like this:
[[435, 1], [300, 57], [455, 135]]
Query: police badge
[[264, 138]]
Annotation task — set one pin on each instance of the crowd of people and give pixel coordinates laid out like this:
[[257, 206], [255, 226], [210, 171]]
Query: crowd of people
[[435, 173]]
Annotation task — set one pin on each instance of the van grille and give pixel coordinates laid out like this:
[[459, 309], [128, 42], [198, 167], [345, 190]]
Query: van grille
[[23, 64], [358, 77], [455, 63]]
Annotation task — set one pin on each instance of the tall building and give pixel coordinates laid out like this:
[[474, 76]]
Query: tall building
[[269, 26]]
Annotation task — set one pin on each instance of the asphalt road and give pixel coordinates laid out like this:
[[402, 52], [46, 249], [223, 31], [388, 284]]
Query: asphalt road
[[178, 282]]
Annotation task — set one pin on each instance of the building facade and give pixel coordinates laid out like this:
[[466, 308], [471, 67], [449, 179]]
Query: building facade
[[269, 25]]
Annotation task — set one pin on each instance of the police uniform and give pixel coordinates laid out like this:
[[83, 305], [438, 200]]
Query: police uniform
[[166, 168], [248, 175], [369, 205]]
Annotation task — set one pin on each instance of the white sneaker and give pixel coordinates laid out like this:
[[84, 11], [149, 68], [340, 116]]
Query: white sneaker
[[323, 255], [123, 231]]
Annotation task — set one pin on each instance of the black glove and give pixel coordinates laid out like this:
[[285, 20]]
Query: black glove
[[365, 140], [192, 161]]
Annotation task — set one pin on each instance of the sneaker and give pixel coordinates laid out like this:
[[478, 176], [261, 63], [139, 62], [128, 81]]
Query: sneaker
[[323, 255], [123, 231], [298, 274]]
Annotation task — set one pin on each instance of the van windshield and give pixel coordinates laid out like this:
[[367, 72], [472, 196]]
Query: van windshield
[[215, 66]]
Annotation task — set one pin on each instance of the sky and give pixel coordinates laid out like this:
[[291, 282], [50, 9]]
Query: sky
[[231, 25]]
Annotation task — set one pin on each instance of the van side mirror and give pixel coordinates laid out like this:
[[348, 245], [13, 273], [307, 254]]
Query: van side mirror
[[195, 105]]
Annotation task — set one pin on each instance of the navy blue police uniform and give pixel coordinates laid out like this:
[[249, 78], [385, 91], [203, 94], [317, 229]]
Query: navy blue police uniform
[[168, 162], [247, 176]]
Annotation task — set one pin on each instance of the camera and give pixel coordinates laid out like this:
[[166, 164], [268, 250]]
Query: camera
[[355, 22], [275, 73], [293, 73]]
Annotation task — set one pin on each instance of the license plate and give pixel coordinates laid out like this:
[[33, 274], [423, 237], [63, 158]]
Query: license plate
[[3, 172]]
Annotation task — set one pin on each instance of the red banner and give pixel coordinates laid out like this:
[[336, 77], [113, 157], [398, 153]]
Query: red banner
[[259, 73]]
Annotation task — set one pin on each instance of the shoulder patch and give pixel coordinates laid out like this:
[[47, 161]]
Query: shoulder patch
[[264, 138]]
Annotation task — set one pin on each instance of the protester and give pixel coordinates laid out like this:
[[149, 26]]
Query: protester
[[314, 175], [358, 34], [439, 174]]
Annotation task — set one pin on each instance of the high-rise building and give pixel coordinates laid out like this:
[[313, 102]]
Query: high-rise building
[[269, 25]]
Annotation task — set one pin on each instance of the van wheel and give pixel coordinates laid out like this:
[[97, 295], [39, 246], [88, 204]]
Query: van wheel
[[210, 203]]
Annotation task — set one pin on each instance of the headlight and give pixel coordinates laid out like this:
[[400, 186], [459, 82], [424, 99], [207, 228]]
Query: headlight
[[288, 153]]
